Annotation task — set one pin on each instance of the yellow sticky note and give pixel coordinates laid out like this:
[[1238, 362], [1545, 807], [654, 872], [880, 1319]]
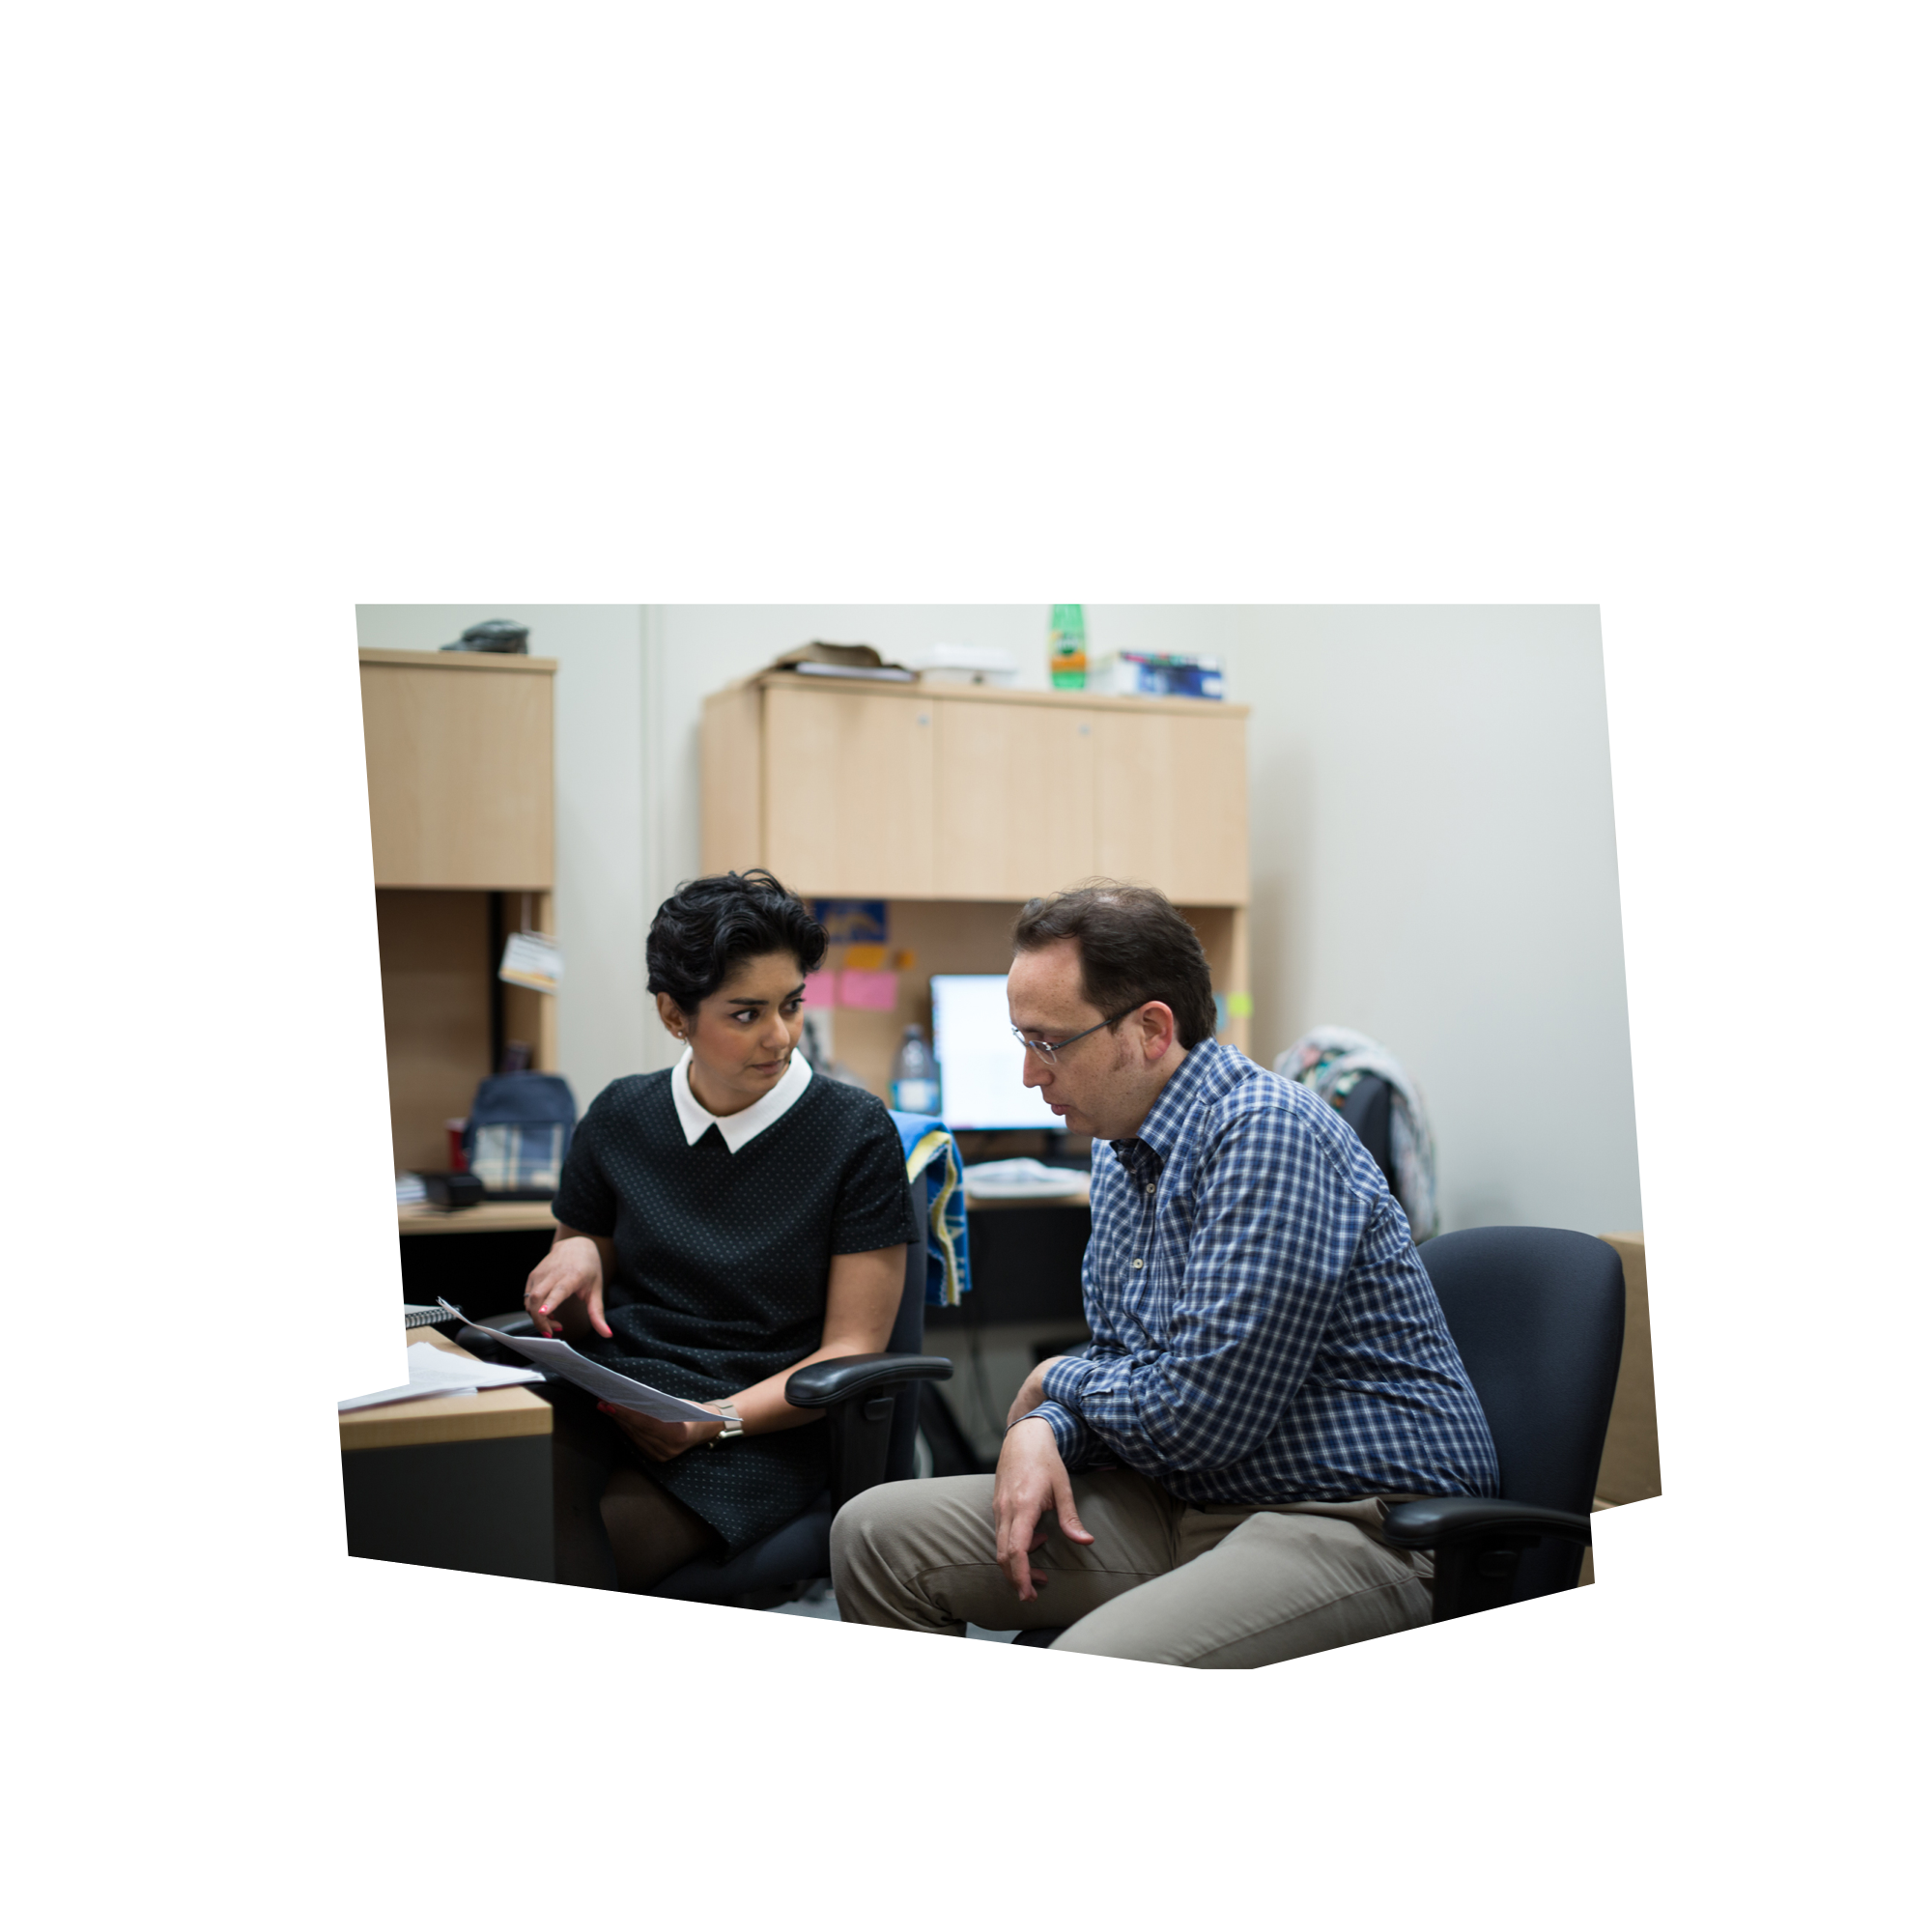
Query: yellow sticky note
[[864, 959], [1240, 1005]]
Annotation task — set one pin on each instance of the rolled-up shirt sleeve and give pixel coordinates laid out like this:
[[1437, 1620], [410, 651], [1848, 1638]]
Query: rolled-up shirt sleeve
[[1070, 1435]]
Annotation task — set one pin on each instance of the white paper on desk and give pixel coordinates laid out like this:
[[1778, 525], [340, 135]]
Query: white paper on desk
[[1022, 1178], [431, 1367], [435, 1371], [562, 1359], [408, 1392]]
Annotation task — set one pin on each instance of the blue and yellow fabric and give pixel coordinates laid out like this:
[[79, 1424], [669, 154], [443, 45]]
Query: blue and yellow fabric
[[931, 1153]]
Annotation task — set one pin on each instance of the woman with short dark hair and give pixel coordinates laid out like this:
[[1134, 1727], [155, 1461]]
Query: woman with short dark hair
[[718, 1226]]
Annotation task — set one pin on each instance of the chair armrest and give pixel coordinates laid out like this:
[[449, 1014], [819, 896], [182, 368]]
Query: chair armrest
[[825, 1384], [1435, 1522], [856, 1392], [1479, 1544]]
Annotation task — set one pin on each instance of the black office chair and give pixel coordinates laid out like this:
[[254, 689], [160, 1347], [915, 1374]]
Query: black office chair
[[1537, 1315], [872, 1411], [1366, 1108]]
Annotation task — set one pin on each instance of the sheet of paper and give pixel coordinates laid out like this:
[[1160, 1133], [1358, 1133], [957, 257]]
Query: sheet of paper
[[410, 1392], [435, 1371], [1022, 1178], [431, 1366], [562, 1359], [871, 992], [531, 959]]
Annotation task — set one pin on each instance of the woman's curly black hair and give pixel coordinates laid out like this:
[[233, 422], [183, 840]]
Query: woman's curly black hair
[[709, 927]]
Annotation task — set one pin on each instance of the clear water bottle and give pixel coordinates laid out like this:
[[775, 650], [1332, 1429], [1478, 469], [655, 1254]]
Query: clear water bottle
[[915, 1076]]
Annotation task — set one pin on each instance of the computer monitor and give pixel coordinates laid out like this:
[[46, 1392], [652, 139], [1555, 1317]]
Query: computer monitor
[[980, 1061]]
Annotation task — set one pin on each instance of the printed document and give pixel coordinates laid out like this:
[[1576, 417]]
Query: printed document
[[620, 1391]]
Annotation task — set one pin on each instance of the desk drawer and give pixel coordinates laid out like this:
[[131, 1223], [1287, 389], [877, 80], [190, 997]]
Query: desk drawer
[[483, 1506]]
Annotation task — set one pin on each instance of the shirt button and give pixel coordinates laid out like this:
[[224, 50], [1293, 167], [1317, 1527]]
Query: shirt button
[[1137, 1261], [1150, 1186]]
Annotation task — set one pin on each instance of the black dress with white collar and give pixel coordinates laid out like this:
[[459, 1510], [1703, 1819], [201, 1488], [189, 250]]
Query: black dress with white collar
[[722, 1265]]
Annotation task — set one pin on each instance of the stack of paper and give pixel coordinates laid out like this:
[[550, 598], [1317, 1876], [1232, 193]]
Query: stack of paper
[[435, 1371], [1024, 1180]]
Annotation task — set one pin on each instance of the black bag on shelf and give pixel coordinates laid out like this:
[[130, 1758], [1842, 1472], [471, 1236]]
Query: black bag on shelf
[[518, 1133]]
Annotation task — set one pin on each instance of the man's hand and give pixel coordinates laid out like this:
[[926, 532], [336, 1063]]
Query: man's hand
[[1032, 1391], [1031, 1483], [661, 1441], [566, 1289]]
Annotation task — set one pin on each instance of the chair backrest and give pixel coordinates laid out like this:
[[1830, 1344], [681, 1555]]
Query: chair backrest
[[908, 1338], [1538, 1317], [1366, 1109]]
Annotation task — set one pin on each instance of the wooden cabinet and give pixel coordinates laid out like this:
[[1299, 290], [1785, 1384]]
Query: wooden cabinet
[[1016, 800], [956, 804], [1171, 803], [962, 792], [848, 792], [460, 768], [460, 772]]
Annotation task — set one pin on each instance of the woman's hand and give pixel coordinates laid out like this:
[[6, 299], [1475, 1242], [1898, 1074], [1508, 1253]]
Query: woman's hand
[[660, 1440], [565, 1291]]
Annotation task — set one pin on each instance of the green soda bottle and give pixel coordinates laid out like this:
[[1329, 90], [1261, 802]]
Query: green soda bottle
[[1066, 649]]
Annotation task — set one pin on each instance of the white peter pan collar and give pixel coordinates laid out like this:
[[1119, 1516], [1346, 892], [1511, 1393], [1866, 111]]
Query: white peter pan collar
[[695, 1119]]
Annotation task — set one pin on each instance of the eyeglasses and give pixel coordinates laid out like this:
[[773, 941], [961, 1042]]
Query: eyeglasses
[[1050, 1050]]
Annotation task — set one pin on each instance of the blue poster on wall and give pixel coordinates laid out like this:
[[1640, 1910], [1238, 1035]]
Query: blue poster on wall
[[852, 921]]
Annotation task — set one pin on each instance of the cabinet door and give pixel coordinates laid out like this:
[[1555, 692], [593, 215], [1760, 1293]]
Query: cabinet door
[[848, 792], [1171, 792], [1015, 807], [459, 775]]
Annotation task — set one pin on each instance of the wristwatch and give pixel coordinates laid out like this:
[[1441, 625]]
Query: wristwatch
[[733, 1426]]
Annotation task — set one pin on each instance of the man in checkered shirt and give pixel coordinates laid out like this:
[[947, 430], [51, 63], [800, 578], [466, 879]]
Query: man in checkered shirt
[[1270, 1369]]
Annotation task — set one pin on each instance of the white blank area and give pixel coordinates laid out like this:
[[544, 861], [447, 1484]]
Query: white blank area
[[1432, 836], [981, 1064], [712, 432]]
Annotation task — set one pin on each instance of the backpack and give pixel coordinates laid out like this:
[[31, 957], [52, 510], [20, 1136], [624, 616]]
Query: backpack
[[518, 1133]]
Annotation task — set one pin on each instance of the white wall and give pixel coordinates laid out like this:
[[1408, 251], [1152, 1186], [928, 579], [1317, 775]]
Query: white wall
[[1434, 864], [1435, 857]]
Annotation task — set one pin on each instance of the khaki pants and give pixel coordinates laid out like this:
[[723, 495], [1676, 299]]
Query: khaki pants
[[1224, 1587]]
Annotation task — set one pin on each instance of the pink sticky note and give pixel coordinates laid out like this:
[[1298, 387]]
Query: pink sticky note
[[821, 989], [876, 992]]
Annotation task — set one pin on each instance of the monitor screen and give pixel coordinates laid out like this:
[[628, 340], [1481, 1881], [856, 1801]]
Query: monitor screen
[[980, 1061]]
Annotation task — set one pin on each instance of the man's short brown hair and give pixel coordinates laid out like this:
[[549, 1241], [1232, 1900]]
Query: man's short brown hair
[[1134, 947]]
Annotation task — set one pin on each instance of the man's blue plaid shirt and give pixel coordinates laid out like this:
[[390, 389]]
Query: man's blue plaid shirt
[[1263, 1330]]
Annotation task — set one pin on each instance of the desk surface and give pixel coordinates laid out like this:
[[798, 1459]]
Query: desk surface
[[497, 1217], [446, 1418], [487, 1217]]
